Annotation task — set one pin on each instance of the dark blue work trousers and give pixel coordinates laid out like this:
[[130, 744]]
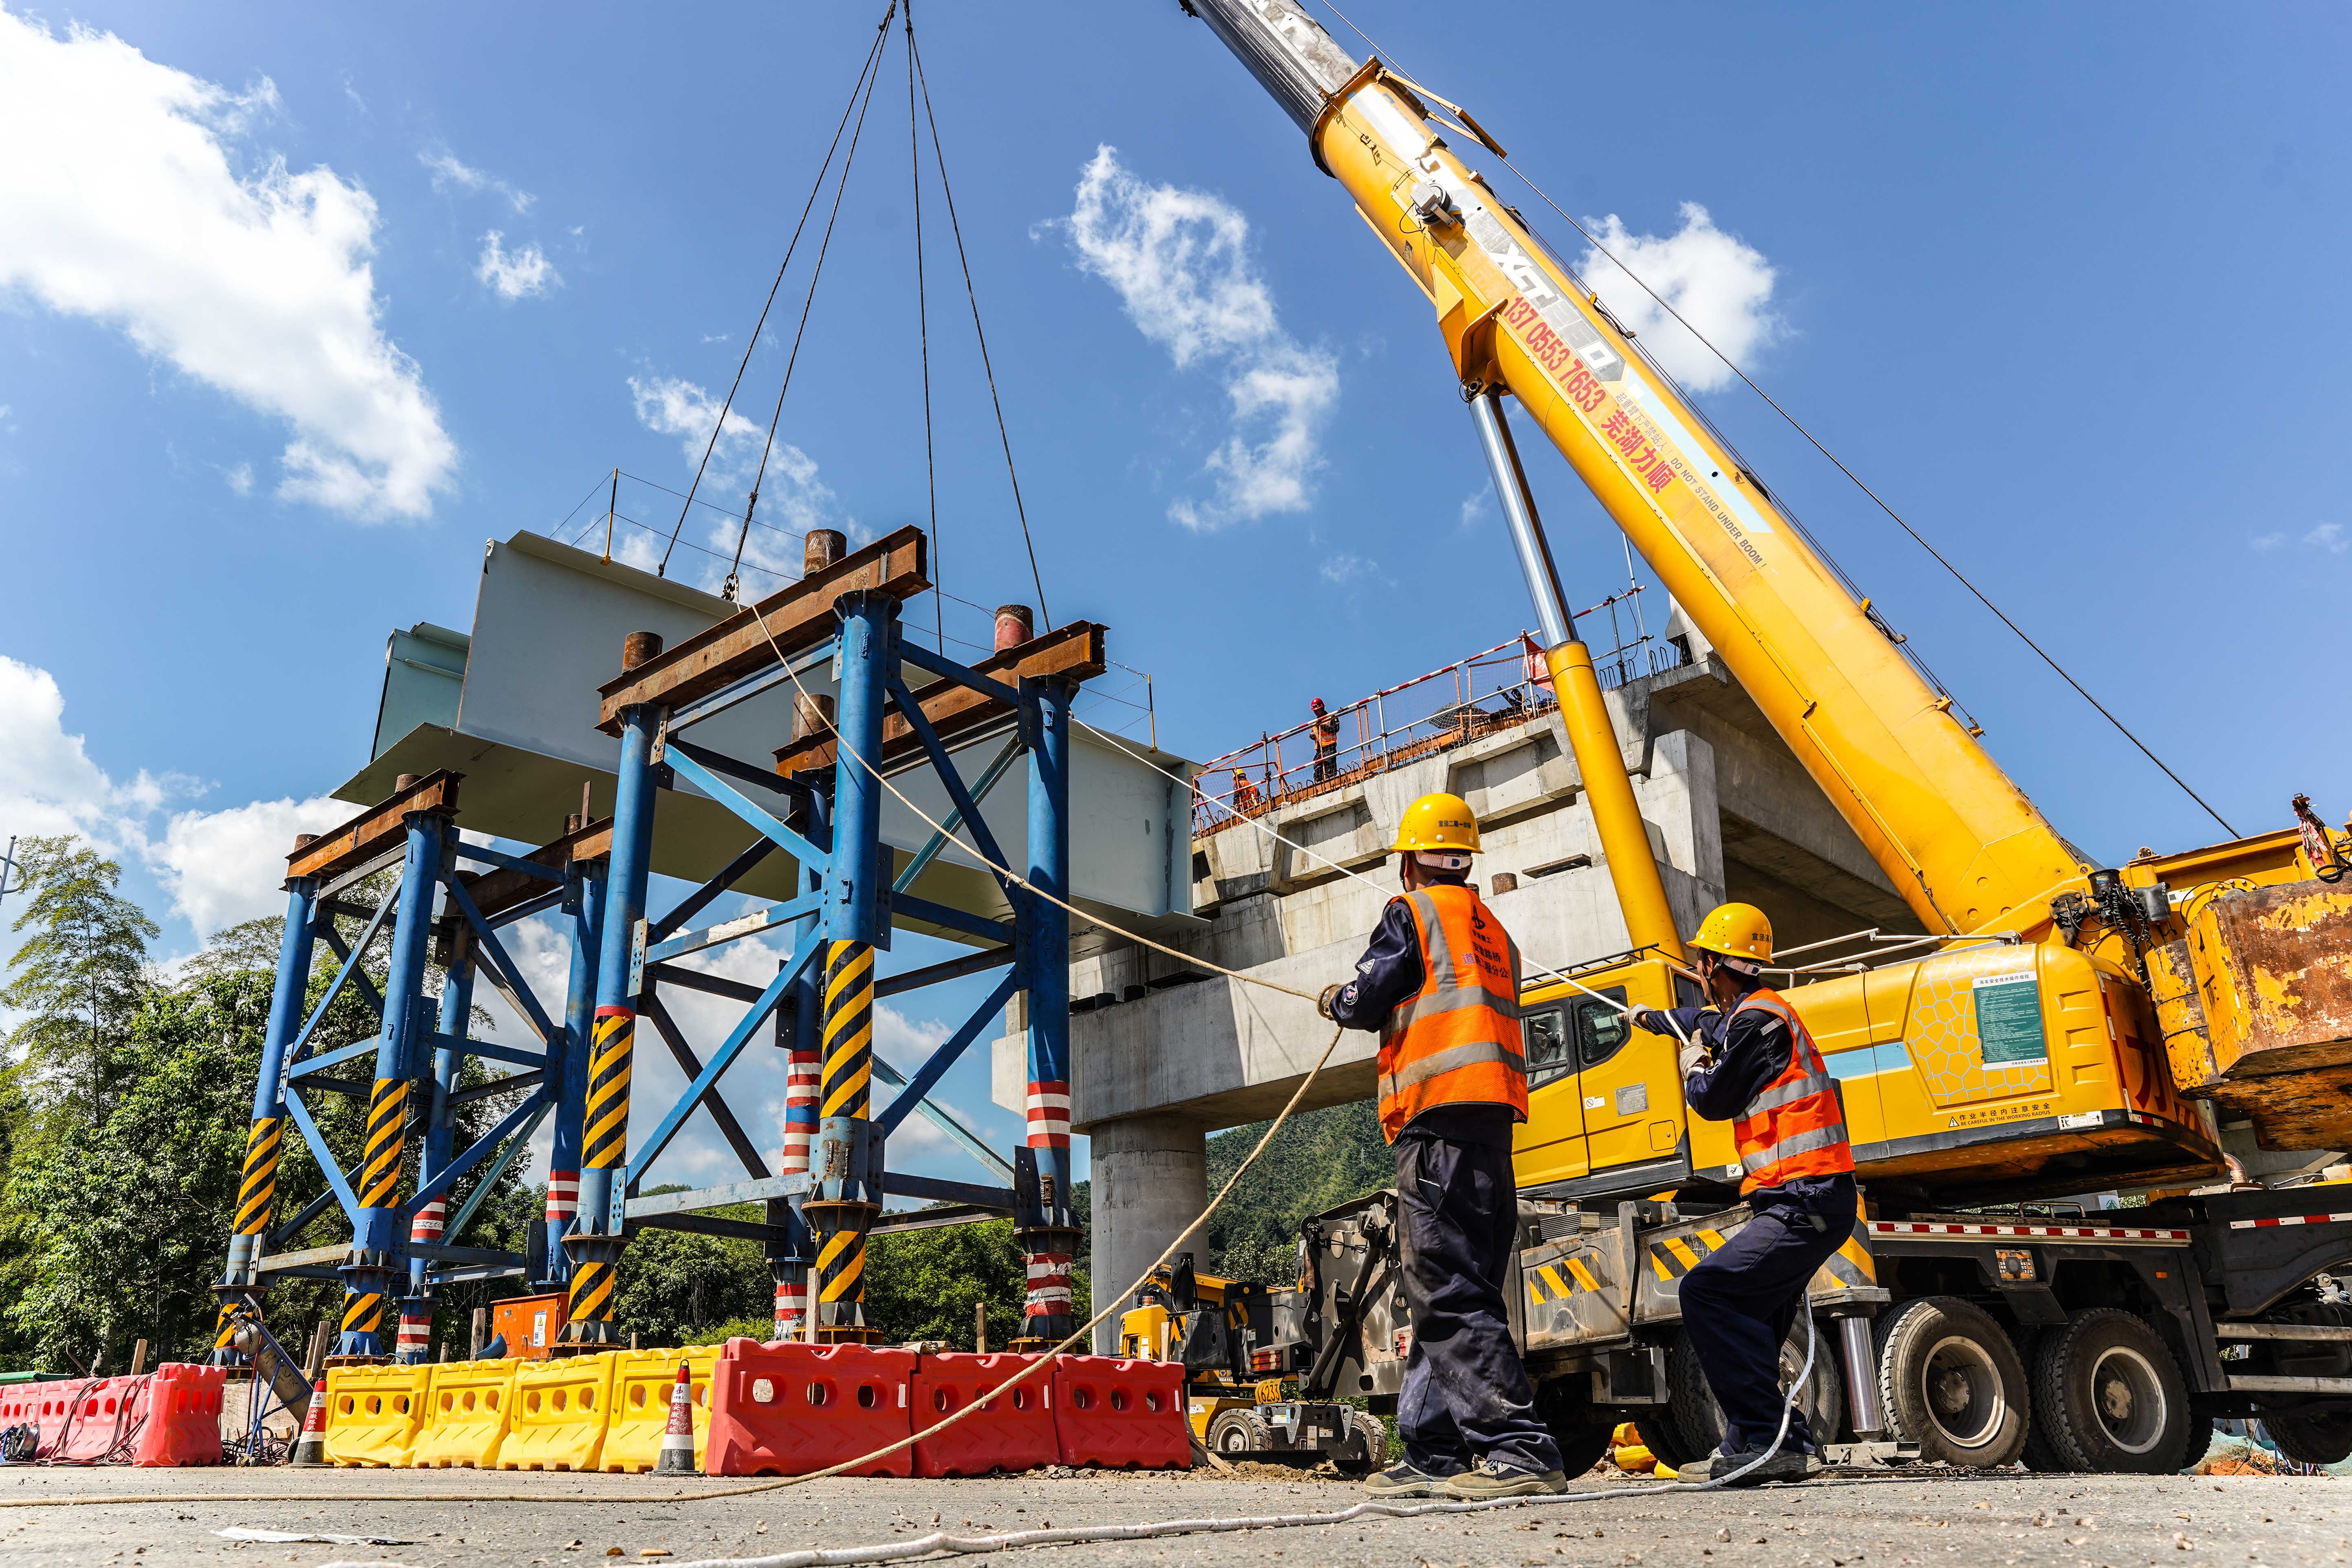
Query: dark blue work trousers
[[1742, 1298], [1467, 1396]]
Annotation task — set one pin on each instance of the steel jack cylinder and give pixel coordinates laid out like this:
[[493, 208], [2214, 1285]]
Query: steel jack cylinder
[[841, 1210], [1047, 1231]]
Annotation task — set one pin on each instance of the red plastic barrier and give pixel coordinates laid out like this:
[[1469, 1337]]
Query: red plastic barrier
[[787, 1409], [1121, 1415], [1012, 1432], [184, 1416], [42, 1405], [104, 1417]]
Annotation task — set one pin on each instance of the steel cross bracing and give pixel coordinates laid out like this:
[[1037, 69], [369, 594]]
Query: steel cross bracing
[[396, 1253], [820, 803]]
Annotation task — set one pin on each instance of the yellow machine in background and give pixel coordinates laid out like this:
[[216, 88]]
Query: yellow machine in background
[[1242, 1396]]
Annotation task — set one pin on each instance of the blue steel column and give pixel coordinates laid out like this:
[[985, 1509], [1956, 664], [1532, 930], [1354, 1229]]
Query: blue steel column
[[595, 1240], [369, 1278], [1043, 1224], [440, 1146], [256, 1191], [848, 1157], [568, 1069]]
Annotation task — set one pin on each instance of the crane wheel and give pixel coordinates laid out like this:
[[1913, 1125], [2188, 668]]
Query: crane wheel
[[2107, 1395], [1366, 1447], [1236, 1434], [1951, 1382], [1698, 1422], [2321, 1437]]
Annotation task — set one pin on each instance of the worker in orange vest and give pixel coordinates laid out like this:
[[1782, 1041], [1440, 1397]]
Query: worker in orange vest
[[1750, 1060], [1441, 983], [1326, 730], [1245, 795]]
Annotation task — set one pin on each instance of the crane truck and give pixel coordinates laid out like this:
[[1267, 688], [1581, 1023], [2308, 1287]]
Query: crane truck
[[2054, 1026]]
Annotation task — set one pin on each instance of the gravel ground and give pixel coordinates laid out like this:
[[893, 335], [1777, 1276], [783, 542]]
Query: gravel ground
[[1991, 1521]]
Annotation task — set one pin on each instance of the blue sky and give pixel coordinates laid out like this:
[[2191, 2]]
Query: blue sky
[[2065, 286]]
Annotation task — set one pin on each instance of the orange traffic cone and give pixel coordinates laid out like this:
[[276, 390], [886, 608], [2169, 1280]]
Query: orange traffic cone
[[311, 1448], [678, 1439]]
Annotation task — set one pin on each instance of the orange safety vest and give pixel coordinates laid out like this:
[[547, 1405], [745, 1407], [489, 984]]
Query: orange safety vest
[[1456, 1042], [1327, 732], [1793, 1127]]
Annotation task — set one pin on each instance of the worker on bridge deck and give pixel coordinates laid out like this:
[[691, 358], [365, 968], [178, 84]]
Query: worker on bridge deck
[[1441, 983], [1326, 730], [1750, 1060]]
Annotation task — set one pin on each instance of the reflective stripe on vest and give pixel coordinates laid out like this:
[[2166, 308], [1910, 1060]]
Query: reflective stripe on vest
[[1457, 1041], [1793, 1127]]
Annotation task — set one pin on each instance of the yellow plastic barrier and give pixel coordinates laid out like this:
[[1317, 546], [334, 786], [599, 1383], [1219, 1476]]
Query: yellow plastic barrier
[[642, 1381], [372, 1413], [467, 1415], [560, 1410]]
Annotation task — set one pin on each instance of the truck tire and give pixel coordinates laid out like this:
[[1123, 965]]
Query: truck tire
[[1581, 1432], [2311, 1437], [2039, 1454], [1236, 1434], [1366, 1447], [1951, 1383], [2109, 1397], [1699, 1419]]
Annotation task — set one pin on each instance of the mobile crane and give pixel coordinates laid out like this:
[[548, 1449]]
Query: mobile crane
[[2071, 1026]]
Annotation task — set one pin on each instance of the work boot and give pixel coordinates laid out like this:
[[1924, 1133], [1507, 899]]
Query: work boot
[[1788, 1465], [1494, 1479], [1402, 1479]]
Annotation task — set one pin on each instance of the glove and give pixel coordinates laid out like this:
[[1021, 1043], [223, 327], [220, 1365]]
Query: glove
[[1323, 1003], [1689, 1058]]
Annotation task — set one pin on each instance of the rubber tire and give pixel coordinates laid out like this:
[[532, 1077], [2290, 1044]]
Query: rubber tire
[[1367, 1444], [2322, 1440], [2040, 1455], [1580, 1431], [2067, 1406], [1907, 1338], [1699, 1420], [1235, 1434]]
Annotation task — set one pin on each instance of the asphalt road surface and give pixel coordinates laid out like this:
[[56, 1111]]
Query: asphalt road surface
[[1989, 1521]]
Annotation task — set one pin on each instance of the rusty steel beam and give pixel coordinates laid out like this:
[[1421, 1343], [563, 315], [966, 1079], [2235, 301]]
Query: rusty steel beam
[[379, 827], [500, 888], [1074, 652], [795, 617]]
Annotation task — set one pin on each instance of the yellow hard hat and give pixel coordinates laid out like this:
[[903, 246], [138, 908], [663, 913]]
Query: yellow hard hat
[[1439, 822], [1737, 930]]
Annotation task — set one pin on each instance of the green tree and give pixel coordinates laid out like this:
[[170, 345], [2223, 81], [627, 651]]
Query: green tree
[[81, 971], [674, 1285], [921, 1284]]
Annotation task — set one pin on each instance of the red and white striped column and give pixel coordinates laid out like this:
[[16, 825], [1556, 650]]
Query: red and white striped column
[[801, 1075], [416, 1338], [1047, 1248]]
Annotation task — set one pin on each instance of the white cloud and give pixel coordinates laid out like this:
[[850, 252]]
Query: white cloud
[[124, 205], [518, 276], [791, 496], [2266, 543], [239, 479], [1473, 507], [1180, 260], [449, 175], [223, 867], [1345, 569], [2330, 537], [220, 866], [1719, 284]]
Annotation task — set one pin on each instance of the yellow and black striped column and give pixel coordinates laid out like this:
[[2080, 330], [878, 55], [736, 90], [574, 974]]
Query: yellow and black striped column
[[379, 1188], [603, 1146], [844, 1201], [256, 1195]]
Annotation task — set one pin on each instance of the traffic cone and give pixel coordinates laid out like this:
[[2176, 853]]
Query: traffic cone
[[311, 1448], [678, 1437]]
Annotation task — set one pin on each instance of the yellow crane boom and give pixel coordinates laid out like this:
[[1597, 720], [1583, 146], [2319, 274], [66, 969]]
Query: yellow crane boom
[[1965, 848]]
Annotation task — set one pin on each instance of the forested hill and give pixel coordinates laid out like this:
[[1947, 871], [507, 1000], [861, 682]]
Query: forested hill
[[1320, 1159]]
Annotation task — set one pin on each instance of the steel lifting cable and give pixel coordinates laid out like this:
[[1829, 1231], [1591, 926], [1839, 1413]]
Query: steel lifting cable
[[923, 328], [1798, 426], [955, 228], [873, 59]]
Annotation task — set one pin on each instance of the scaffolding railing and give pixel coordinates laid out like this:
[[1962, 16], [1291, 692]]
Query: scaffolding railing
[[1491, 690]]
